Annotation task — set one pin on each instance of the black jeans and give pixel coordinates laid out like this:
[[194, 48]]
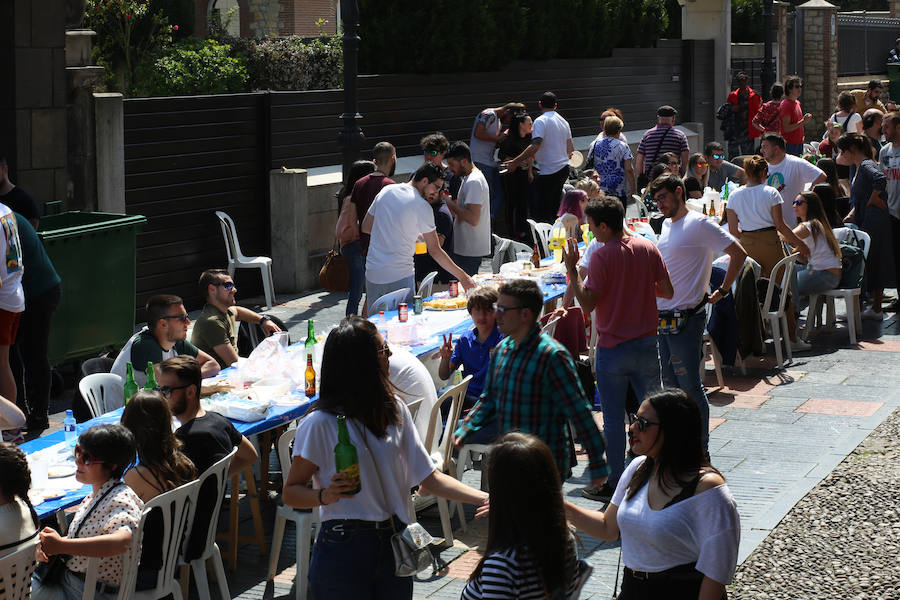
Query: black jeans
[[549, 189], [28, 357]]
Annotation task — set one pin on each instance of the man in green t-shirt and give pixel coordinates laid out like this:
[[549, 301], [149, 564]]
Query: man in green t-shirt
[[165, 336], [215, 332]]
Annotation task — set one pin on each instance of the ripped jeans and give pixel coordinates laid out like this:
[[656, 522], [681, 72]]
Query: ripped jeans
[[679, 360]]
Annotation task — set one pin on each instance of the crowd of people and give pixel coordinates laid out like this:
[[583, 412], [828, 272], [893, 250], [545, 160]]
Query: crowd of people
[[647, 296]]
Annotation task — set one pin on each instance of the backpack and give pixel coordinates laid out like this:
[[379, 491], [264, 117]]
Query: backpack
[[853, 264]]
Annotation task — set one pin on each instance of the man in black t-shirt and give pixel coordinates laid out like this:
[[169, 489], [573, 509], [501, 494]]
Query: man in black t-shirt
[[16, 198], [207, 437]]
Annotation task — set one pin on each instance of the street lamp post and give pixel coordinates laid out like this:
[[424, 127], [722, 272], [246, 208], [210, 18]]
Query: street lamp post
[[768, 69], [351, 135]]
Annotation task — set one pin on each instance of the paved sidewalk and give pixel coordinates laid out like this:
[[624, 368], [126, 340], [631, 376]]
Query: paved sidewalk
[[775, 435]]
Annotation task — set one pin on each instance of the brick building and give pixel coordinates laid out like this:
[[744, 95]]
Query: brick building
[[259, 18]]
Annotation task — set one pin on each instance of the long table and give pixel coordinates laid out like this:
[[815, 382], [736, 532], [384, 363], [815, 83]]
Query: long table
[[278, 414]]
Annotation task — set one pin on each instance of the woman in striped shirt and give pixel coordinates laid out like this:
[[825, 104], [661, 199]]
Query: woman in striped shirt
[[530, 553]]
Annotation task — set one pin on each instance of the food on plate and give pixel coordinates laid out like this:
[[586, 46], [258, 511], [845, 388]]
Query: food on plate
[[446, 303]]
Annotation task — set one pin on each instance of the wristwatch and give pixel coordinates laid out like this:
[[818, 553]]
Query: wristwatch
[[264, 318], [723, 292]]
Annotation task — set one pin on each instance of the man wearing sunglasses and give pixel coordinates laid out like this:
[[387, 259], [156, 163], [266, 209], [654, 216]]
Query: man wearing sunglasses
[[720, 170], [165, 336], [215, 332]]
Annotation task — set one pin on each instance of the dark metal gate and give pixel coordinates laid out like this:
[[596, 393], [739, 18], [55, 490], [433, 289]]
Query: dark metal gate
[[864, 41]]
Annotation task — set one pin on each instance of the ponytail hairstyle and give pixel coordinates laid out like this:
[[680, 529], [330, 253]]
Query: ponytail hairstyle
[[858, 142]]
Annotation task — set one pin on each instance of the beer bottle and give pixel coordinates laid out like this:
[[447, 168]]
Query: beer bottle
[[151, 378], [346, 460], [310, 335], [130, 388], [536, 258], [310, 377]]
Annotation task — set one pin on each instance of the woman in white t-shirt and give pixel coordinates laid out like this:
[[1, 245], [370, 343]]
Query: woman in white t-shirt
[[678, 521], [18, 521], [352, 557], [823, 270], [538, 561]]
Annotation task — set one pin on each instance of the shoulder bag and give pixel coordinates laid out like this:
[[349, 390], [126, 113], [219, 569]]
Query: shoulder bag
[[335, 273], [412, 552], [54, 570]]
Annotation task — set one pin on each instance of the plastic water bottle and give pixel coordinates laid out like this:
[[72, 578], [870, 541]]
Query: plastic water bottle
[[69, 429]]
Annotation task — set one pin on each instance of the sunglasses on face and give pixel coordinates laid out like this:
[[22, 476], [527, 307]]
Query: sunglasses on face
[[183, 318], [85, 457], [642, 423], [431, 153], [228, 285], [702, 164], [505, 309], [718, 156], [799, 202], [166, 390]]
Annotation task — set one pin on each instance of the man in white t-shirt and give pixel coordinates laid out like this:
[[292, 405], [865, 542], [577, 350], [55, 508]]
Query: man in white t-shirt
[[487, 131], [413, 382], [788, 174], [472, 220], [688, 243], [12, 296], [551, 146], [400, 215]]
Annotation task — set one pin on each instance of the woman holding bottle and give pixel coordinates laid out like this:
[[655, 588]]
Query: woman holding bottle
[[357, 525]]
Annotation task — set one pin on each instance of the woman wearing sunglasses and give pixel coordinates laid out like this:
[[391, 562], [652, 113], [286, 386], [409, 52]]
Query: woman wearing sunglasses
[[359, 515], [104, 522], [698, 168], [678, 521], [823, 270]]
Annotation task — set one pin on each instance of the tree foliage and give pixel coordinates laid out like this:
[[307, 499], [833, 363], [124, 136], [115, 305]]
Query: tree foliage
[[194, 66]]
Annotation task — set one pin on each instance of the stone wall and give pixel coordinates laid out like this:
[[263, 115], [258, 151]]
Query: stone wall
[[263, 17], [819, 63], [33, 96]]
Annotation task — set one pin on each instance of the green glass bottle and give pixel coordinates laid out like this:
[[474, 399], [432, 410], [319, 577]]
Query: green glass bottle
[[130, 388], [151, 378], [346, 460], [310, 334]]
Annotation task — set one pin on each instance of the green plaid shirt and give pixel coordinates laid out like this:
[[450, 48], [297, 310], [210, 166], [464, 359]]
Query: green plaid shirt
[[533, 387]]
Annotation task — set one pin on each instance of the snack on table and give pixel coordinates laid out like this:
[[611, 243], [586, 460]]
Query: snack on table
[[447, 303], [215, 388]]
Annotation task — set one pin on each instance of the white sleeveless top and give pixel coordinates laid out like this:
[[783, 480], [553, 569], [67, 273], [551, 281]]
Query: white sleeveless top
[[820, 255]]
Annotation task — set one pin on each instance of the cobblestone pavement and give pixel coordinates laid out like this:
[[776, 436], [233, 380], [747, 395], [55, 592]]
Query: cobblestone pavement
[[775, 435]]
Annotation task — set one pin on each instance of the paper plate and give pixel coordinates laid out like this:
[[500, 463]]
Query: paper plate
[[576, 160]]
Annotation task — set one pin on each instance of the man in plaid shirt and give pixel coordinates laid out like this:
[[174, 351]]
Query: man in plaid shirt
[[532, 386]]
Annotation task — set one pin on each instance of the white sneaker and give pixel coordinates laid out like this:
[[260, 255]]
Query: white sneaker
[[800, 346], [871, 315]]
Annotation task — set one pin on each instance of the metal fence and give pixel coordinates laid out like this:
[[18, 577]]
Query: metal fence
[[864, 41]]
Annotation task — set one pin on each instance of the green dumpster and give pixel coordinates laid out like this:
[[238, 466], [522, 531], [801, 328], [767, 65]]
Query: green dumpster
[[94, 254], [893, 72]]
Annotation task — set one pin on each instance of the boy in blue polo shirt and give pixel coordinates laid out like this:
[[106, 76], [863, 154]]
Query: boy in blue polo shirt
[[473, 349]]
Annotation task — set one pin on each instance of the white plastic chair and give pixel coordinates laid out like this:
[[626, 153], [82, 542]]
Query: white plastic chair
[[777, 319], [388, 301], [303, 519], [425, 287], [237, 260], [176, 508], [849, 295], [550, 328], [540, 233], [218, 475], [102, 392], [443, 456], [15, 571]]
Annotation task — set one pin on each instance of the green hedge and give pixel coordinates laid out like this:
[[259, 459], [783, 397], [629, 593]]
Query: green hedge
[[482, 35], [194, 66]]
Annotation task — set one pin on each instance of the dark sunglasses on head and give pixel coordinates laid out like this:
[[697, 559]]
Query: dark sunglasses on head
[[228, 285], [166, 390], [642, 423]]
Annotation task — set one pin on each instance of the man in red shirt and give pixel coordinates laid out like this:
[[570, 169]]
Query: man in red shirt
[[625, 277], [792, 117], [745, 104]]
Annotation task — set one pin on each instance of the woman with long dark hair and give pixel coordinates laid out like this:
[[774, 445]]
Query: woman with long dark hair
[[678, 521], [347, 233], [517, 182], [18, 521], [533, 561], [868, 199], [357, 525], [823, 270]]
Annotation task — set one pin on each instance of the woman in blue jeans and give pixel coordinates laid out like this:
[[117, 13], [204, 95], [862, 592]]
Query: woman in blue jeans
[[351, 248], [823, 270], [352, 557]]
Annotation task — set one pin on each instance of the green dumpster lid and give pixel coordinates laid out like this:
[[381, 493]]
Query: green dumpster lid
[[101, 221]]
